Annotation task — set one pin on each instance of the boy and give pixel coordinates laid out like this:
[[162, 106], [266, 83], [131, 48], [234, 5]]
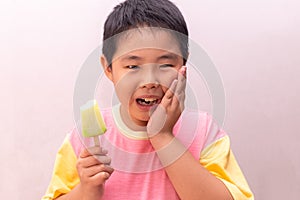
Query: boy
[[158, 150]]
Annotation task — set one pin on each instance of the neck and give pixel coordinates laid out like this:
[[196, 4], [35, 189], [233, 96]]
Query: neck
[[127, 119]]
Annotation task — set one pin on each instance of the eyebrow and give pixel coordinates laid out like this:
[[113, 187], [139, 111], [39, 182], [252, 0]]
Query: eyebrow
[[132, 57], [168, 56]]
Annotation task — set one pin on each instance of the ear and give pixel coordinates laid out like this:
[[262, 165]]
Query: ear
[[107, 69]]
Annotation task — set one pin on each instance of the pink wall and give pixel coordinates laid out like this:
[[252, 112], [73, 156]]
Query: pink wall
[[253, 44]]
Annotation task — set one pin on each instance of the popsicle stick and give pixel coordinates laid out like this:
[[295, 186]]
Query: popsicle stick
[[96, 141]]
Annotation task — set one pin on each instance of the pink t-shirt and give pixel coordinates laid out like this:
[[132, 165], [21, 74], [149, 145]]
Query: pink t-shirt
[[138, 172]]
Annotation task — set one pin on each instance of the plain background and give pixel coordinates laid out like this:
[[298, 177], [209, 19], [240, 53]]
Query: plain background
[[255, 46]]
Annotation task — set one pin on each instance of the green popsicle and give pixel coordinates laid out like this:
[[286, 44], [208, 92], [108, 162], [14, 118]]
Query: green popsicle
[[92, 124]]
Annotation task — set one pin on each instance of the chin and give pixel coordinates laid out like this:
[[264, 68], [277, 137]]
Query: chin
[[143, 121]]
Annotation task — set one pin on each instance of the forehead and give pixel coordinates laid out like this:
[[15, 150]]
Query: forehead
[[146, 38]]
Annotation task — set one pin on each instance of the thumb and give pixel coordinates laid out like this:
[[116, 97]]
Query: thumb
[[105, 175], [157, 121]]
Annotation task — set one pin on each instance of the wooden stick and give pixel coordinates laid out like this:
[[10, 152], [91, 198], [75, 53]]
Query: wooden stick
[[96, 141]]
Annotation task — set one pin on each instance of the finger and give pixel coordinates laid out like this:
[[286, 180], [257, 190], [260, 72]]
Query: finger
[[179, 95], [84, 153], [91, 171], [152, 109], [181, 81], [157, 121], [181, 99], [87, 162], [167, 99], [94, 160], [92, 151], [182, 71], [100, 178], [170, 92], [96, 150], [103, 159]]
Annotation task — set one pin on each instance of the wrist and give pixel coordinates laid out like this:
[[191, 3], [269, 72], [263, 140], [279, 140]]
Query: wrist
[[161, 140], [89, 193], [168, 148]]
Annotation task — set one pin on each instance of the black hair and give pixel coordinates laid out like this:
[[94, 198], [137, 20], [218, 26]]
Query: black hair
[[140, 13]]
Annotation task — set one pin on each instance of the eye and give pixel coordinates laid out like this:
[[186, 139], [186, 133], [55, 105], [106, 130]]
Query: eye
[[166, 65], [132, 67]]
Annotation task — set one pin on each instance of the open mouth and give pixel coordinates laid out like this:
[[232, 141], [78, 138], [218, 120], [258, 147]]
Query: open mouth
[[147, 101]]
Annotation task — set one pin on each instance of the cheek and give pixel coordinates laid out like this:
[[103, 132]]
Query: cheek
[[166, 76], [125, 87]]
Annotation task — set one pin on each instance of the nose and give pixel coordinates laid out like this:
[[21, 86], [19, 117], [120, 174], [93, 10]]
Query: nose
[[150, 85], [150, 78]]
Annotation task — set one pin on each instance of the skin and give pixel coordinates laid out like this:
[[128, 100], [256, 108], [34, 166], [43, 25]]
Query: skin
[[93, 169], [140, 69]]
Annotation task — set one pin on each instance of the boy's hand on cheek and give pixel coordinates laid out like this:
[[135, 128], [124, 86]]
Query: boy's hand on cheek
[[166, 114], [93, 169]]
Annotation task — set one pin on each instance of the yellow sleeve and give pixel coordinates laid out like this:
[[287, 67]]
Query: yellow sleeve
[[65, 176], [220, 161]]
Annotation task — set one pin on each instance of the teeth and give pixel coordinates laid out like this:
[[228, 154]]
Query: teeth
[[147, 101], [150, 99]]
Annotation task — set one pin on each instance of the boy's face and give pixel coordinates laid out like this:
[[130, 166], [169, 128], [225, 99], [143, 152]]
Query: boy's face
[[144, 65]]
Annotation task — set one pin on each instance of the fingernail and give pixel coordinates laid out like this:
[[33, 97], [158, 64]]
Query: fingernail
[[106, 175], [105, 151], [183, 69]]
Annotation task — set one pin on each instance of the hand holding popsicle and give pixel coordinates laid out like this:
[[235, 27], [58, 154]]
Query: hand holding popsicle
[[93, 163], [93, 170]]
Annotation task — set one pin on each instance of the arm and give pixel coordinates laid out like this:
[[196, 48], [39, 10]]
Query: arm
[[75, 194], [189, 178]]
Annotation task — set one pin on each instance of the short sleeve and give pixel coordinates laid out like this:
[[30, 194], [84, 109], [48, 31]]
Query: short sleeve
[[65, 176], [220, 161]]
